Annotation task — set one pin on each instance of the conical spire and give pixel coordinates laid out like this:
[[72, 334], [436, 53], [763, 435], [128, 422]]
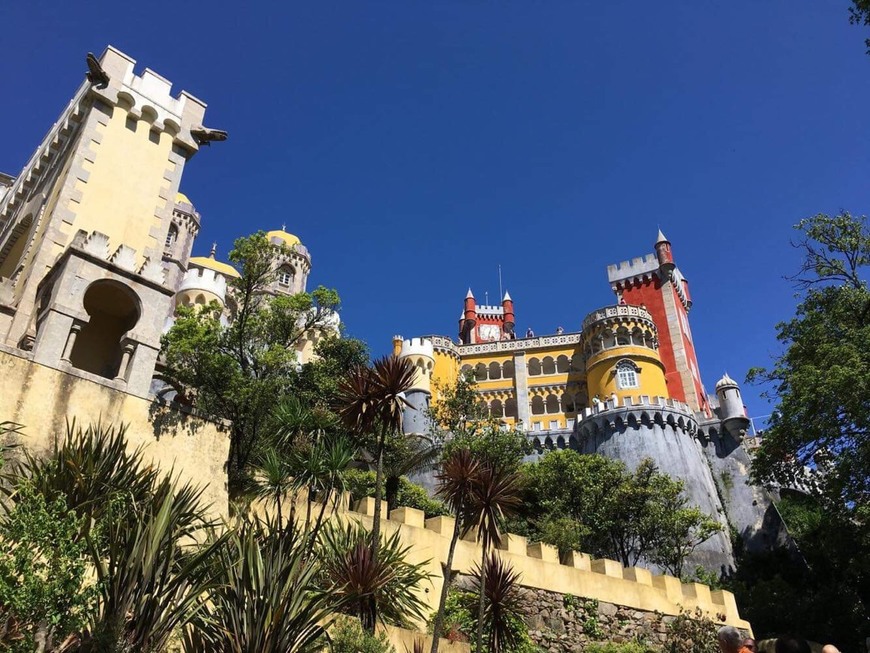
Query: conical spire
[[469, 294], [661, 238], [507, 297], [213, 250]]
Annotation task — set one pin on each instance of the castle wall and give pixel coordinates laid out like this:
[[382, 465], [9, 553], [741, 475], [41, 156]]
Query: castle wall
[[676, 453], [44, 399], [541, 569]]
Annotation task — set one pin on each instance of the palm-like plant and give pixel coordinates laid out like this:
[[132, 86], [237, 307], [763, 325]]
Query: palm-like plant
[[150, 582], [321, 470], [495, 495], [265, 599], [371, 402], [404, 454], [272, 479], [372, 587], [499, 584], [459, 475]]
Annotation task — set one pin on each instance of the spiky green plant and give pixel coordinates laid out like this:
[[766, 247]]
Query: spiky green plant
[[272, 479], [459, 475], [266, 599], [380, 587], [501, 585]]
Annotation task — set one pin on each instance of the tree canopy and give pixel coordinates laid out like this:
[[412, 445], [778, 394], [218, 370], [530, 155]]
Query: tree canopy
[[238, 366]]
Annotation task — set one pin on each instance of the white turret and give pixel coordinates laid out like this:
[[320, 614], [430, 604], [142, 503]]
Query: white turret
[[422, 354], [731, 409]]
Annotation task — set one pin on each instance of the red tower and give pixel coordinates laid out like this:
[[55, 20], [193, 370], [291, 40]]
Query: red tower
[[486, 323], [656, 283]]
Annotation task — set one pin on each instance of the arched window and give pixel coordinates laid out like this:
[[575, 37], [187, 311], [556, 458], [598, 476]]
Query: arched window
[[637, 337], [285, 275], [552, 404], [563, 364], [537, 405], [480, 372], [534, 367], [465, 370], [626, 375], [507, 370], [494, 370], [496, 409], [622, 336], [510, 408], [548, 365], [171, 236], [568, 403], [114, 309]]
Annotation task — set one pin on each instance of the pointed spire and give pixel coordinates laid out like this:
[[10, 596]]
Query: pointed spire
[[661, 238], [507, 297], [213, 250], [470, 294]]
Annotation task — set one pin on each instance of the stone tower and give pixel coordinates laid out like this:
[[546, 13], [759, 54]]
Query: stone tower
[[656, 283], [90, 255]]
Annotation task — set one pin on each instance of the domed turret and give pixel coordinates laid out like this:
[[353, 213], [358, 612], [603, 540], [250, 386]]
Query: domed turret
[[731, 409], [292, 263]]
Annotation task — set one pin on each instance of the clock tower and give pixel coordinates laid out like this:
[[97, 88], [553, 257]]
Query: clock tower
[[486, 323]]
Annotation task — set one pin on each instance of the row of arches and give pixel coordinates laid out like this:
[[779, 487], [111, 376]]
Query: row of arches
[[536, 367], [552, 404], [620, 337]]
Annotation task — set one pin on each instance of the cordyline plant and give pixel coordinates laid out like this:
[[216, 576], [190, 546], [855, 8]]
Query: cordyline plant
[[456, 480], [499, 584], [371, 401]]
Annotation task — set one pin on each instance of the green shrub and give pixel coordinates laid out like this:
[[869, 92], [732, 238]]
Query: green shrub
[[361, 484], [349, 637]]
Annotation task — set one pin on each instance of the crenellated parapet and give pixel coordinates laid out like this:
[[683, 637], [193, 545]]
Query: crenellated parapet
[[637, 412], [641, 268], [202, 281], [541, 567]]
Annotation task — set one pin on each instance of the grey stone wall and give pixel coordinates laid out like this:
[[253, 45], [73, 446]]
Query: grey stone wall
[[560, 624]]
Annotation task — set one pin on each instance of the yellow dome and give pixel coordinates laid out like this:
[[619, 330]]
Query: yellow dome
[[212, 264], [289, 239], [181, 197]]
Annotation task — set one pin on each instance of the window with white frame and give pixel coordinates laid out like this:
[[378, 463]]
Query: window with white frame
[[626, 376], [285, 276]]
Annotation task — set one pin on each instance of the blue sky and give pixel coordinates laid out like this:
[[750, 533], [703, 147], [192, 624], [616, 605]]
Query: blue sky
[[415, 146]]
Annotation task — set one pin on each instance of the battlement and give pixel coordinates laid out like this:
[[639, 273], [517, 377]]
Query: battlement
[[417, 347], [635, 411], [96, 244], [641, 266], [541, 567], [149, 95], [486, 309], [618, 313], [204, 279]]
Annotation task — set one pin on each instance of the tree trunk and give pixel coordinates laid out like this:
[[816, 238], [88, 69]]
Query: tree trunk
[[438, 626], [481, 605], [376, 527], [391, 491]]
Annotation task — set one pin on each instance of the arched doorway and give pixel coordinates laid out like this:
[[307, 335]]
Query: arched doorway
[[114, 309]]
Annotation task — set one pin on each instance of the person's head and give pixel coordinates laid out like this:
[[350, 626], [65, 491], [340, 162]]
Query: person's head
[[792, 644], [729, 639], [750, 644], [830, 648]]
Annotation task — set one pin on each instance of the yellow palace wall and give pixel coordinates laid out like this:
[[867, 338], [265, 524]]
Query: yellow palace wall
[[42, 399]]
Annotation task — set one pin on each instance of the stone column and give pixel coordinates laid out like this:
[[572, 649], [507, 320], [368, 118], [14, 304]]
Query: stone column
[[521, 384], [127, 349], [74, 331]]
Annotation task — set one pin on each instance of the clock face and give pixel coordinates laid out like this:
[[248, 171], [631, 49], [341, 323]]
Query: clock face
[[489, 332]]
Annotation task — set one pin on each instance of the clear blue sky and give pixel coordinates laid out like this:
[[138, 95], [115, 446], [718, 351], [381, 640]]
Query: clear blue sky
[[414, 146]]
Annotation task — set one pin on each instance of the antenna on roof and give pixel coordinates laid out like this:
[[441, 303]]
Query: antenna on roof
[[500, 291], [486, 298]]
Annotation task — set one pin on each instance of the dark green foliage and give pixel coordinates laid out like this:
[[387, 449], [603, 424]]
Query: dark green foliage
[[818, 439], [265, 598], [859, 14], [692, 632], [370, 587], [624, 647], [491, 444], [43, 565], [316, 383], [349, 637], [775, 590], [240, 371], [361, 484], [594, 504], [460, 623]]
